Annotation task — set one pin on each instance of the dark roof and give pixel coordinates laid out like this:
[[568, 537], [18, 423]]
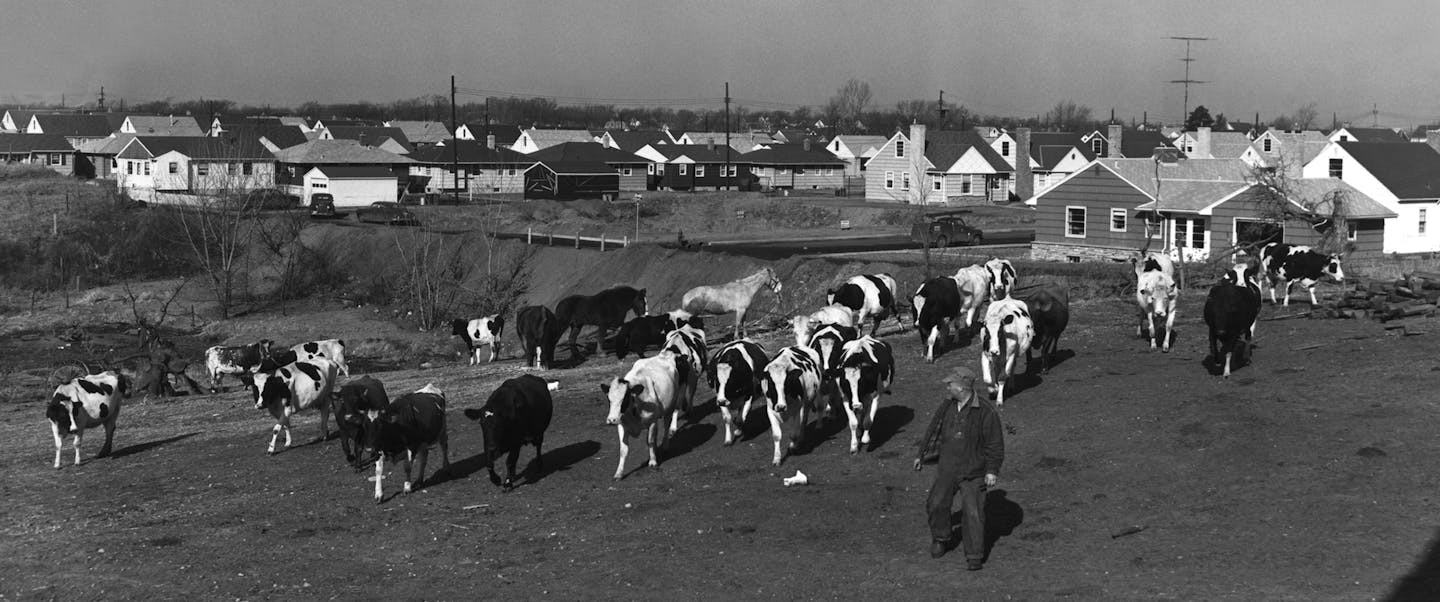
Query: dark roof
[[1049, 148], [1410, 170], [790, 154], [1141, 144], [504, 134], [76, 125], [944, 147], [633, 141], [589, 152], [282, 136], [369, 135], [575, 168], [470, 152], [355, 172], [24, 143], [227, 146], [699, 153], [1376, 135]]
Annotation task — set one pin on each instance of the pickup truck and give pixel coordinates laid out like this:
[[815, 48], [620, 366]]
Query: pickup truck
[[944, 231]]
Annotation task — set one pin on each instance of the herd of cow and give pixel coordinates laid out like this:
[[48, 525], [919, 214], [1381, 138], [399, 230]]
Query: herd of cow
[[830, 366]]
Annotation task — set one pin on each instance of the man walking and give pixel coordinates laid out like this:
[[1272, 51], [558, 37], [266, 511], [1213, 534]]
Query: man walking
[[967, 436]]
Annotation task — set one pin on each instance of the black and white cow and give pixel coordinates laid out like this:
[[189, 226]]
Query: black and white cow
[[516, 414], [1002, 277], [642, 400], [974, 284], [86, 402], [1007, 336], [643, 332], [330, 349], [478, 333], [804, 326], [1049, 307], [406, 429], [357, 404], [295, 387], [867, 367], [679, 317], [734, 374], [1247, 273], [239, 362], [1158, 297], [867, 296], [829, 341], [539, 332], [791, 386], [1284, 263], [1231, 309], [687, 342], [934, 308]]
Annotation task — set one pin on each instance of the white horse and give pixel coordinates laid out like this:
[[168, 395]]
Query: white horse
[[734, 296]]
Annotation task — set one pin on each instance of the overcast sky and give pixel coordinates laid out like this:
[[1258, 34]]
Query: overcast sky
[[1008, 57]]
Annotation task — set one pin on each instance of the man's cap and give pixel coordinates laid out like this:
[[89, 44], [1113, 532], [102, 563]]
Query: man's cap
[[961, 375]]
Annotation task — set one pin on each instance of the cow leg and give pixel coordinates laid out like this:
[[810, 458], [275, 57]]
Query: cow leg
[[510, 461], [424, 455], [274, 435], [75, 439], [1287, 292], [1311, 288], [285, 423], [875, 325], [379, 476], [854, 427], [59, 442], [1169, 329], [729, 423], [494, 350], [797, 436], [930, 341], [624, 451], [1151, 317], [409, 459], [109, 438], [775, 433], [652, 442], [1228, 353], [574, 335], [870, 421], [539, 456], [325, 422]]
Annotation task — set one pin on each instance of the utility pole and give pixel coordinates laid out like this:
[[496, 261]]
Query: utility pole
[[101, 102], [940, 107], [454, 142], [1185, 110], [1374, 115], [727, 151]]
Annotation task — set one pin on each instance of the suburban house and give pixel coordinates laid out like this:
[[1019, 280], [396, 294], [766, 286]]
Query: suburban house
[[101, 154], [569, 180], [1354, 134], [161, 125], [505, 135], [1114, 206], [532, 140], [50, 150], [1203, 143], [297, 161], [1130, 142], [692, 167], [353, 185], [388, 139], [483, 169], [633, 140], [421, 133], [631, 169], [151, 166], [855, 150], [944, 166], [1404, 177], [742, 142], [1276, 149], [793, 167], [16, 120], [75, 127], [1052, 156]]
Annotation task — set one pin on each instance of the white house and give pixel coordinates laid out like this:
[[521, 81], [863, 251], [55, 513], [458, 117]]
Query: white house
[[352, 185], [1404, 177], [855, 150], [532, 140]]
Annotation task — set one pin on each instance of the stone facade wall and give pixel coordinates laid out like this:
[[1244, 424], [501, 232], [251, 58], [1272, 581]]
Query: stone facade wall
[[1042, 251]]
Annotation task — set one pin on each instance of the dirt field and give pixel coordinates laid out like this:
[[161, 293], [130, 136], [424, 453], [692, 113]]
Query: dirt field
[[1130, 474]]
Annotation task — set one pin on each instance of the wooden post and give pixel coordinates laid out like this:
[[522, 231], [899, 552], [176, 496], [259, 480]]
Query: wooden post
[[602, 241], [529, 236], [577, 239], [551, 242], [626, 242]]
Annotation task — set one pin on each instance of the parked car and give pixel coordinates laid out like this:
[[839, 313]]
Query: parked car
[[271, 198], [322, 206], [946, 230], [386, 212]]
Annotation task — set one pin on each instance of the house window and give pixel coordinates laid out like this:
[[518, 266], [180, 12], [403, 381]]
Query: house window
[[937, 184], [782, 170], [627, 171], [1153, 225], [660, 169], [510, 172], [1005, 149], [889, 180], [130, 168], [964, 185], [905, 181], [1337, 168], [1420, 223], [1352, 231], [247, 169], [1266, 145], [1117, 220], [732, 170], [54, 158], [683, 169], [899, 148], [1190, 233], [174, 167], [319, 185], [114, 164], [1075, 222], [1097, 145], [64, 159], [202, 169], [147, 167], [699, 171], [1344, 138]]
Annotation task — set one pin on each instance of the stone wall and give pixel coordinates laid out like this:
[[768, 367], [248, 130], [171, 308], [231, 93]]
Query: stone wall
[[1042, 251]]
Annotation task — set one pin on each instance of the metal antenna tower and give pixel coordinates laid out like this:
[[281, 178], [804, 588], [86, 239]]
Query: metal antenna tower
[[1185, 110]]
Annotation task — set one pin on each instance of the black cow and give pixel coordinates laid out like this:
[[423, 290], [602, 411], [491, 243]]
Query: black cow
[[1284, 263], [1230, 312], [1049, 306], [933, 309], [517, 413], [356, 406], [734, 373], [539, 331], [407, 428], [239, 361], [605, 310], [642, 332]]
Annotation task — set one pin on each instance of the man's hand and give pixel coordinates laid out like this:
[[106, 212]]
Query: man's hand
[[917, 463], [990, 480]]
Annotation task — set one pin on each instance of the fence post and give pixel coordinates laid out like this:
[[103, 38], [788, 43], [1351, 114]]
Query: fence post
[[577, 239], [602, 242], [529, 236], [626, 241], [551, 242]]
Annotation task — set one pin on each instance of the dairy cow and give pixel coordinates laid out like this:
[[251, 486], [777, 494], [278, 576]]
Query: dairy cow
[[292, 388], [867, 367], [356, 405], [642, 400], [516, 414], [688, 342], [1049, 307], [330, 349], [867, 296], [539, 332], [804, 326], [1157, 297], [1002, 277], [934, 308], [238, 361], [86, 402], [1008, 334], [791, 386], [1231, 309], [1285, 263], [734, 374], [974, 285], [478, 333], [642, 332], [406, 430]]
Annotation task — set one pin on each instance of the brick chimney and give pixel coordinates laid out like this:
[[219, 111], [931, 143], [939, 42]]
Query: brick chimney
[[806, 145], [1113, 139], [1202, 143], [1432, 138], [490, 141], [1024, 178], [710, 144], [915, 158]]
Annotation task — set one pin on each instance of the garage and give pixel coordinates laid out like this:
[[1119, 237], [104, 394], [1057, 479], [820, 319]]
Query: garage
[[567, 180], [351, 185]]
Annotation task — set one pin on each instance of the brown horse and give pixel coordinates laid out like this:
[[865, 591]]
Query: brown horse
[[734, 296], [605, 309]]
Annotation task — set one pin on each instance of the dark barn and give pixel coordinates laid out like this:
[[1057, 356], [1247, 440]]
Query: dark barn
[[570, 180]]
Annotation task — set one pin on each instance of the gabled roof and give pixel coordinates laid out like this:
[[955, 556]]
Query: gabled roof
[[575, 168], [1376, 135], [548, 138], [860, 145], [741, 141], [1048, 156], [319, 152], [469, 152], [1317, 194], [1193, 196], [21, 117], [282, 136], [368, 135], [105, 146], [1141, 144], [24, 143], [587, 152], [631, 141], [1410, 170], [226, 147], [1141, 173], [790, 154], [355, 172], [162, 125], [74, 125], [697, 153], [422, 132], [944, 147], [505, 135]]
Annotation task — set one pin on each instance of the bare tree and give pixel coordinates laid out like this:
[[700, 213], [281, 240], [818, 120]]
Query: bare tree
[[1068, 116], [848, 104], [1304, 118], [1284, 198]]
